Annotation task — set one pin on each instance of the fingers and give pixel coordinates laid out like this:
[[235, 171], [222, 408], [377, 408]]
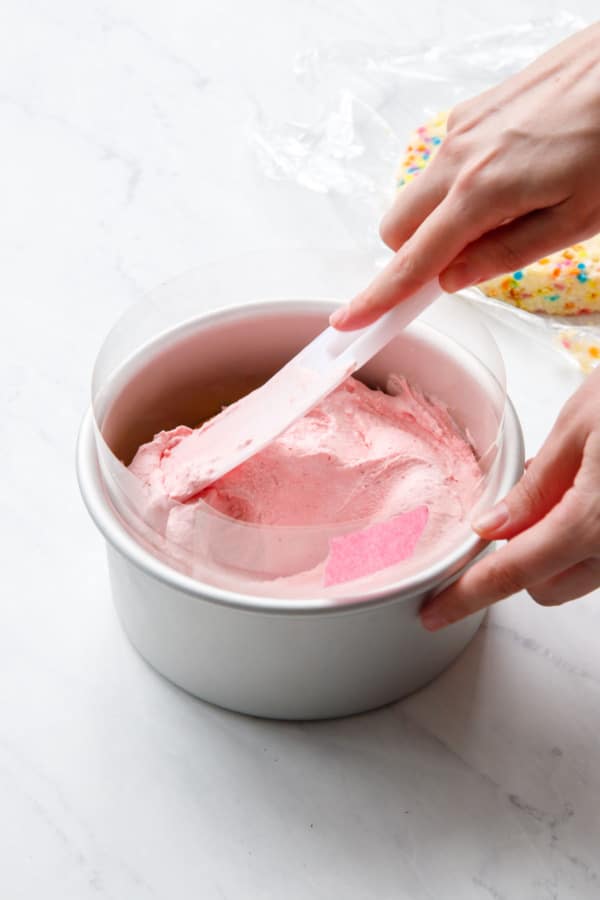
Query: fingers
[[546, 479], [411, 207], [459, 219], [575, 582], [537, 555], [510, 247], [552, 520]]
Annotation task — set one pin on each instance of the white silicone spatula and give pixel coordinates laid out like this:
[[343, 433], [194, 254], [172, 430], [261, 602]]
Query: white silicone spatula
[[245, 427]]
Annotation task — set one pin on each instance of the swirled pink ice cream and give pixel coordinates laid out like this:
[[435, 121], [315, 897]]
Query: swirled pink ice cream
[[361, 455]]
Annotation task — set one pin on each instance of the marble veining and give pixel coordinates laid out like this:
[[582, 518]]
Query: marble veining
[[125, 160]]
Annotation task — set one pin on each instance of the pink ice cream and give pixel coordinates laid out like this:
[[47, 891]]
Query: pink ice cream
[[361, 455]]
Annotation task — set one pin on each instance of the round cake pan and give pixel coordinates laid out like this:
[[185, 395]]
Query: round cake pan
[[308, 658]]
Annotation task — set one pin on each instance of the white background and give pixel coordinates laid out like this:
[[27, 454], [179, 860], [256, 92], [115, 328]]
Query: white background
[[124, 161]]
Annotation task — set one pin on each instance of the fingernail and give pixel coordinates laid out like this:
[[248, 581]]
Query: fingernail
[[492, 519], [432, 620], [338, 317]]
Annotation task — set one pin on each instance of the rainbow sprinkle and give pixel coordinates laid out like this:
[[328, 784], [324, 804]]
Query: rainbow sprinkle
[[423, 146], [583, 346], [565, 283]]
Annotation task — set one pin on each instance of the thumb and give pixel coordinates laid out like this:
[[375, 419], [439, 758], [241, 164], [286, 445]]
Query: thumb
[[546, 479]]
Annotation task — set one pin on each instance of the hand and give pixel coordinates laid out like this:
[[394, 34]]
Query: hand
[[516, 178], [551, 519]]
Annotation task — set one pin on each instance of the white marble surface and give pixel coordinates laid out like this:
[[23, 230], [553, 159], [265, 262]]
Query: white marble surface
[[124, 161]]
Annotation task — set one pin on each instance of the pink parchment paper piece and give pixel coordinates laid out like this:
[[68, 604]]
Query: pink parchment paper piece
[[376, 547]]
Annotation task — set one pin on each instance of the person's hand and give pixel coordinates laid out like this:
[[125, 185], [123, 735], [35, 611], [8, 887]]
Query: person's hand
[[551, 519], [516, 178]]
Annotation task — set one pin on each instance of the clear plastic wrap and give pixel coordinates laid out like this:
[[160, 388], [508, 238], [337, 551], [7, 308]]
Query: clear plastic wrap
[[369, 99], [576, 337]]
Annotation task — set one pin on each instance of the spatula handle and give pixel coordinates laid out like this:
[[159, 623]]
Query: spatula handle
[[352, 349], [370, 340]]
